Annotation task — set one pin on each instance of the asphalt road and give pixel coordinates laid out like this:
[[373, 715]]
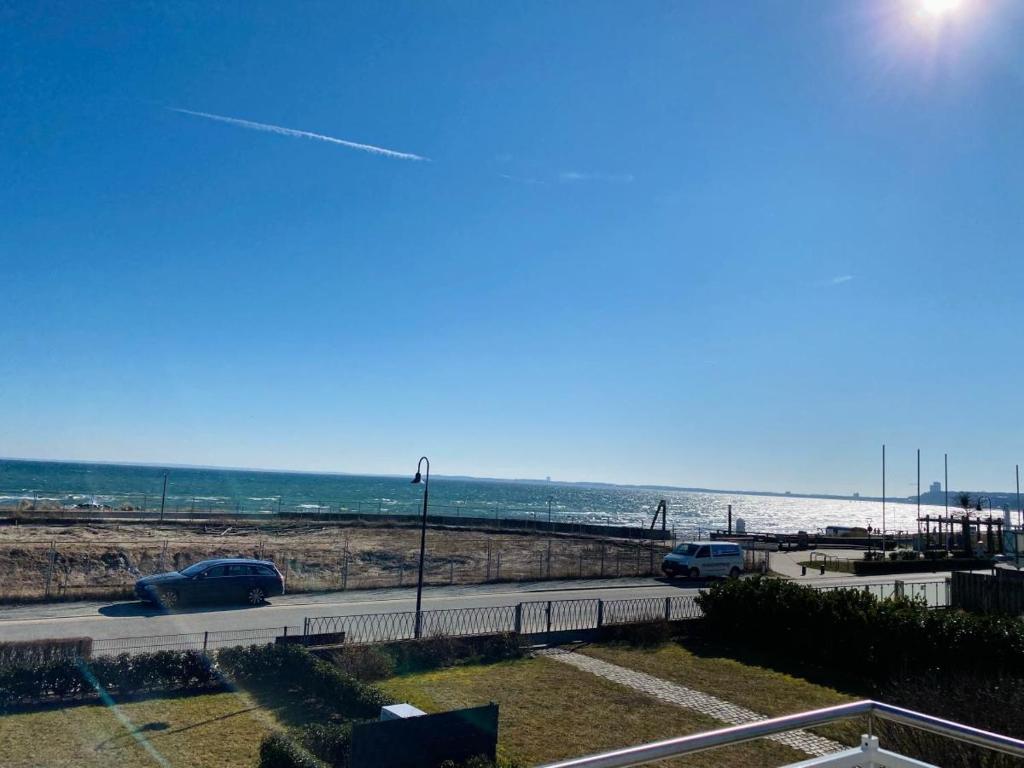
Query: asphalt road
[[130, 619]]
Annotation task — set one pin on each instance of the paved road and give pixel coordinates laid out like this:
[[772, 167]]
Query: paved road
[[129, 619]]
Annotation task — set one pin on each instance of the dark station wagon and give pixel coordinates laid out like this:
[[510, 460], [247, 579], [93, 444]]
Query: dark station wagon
[[224, 580]]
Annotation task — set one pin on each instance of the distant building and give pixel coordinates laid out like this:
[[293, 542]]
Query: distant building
[[856, 494], [935, 487]]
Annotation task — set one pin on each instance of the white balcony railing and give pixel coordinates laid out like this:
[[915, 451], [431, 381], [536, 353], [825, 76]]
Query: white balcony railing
[[868, 755]]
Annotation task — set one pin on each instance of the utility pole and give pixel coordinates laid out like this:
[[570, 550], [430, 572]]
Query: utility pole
[[163, 498], [883, 499], [945, 480], [1020, 515], [918, 491]]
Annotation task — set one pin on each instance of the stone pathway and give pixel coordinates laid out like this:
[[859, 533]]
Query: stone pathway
[[688, 698]]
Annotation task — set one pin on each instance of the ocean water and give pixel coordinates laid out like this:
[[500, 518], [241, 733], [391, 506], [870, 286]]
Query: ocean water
[[68, 484]]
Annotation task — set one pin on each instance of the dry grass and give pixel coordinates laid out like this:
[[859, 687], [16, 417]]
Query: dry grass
[[216, 730], [550, 711], [759, 689], [103, 560]]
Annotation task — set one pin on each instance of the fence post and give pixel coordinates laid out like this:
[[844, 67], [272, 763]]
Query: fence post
[[519, 618], [898, 588], [206, 638], [305, 627], [548, 612], [668, 609], [49, 566], [286, 630], [600, 613], [344, 573]]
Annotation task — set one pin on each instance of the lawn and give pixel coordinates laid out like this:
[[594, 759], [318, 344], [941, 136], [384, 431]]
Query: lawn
[[762, 690], [211, 730], [550, 711]]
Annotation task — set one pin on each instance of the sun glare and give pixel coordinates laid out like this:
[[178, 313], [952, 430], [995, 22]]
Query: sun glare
[[938, 7]]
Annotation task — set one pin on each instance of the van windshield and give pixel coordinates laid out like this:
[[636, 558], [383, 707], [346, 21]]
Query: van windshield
[[686, 549]]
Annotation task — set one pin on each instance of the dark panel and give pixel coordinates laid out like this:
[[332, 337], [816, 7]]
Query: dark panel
[[428, 740]]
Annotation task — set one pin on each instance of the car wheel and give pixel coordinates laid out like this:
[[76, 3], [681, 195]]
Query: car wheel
[[694, 573], [257, 596], [734, 573], [169, 599]]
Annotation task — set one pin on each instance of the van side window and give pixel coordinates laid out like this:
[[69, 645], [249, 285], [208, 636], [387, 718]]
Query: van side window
[[703, 552]]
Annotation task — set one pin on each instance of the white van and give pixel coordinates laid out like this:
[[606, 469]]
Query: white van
[[698, 559]]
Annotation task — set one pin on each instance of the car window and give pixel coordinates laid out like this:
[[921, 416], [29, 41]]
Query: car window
[[239, 569], [703, 552], [264, 570], [686, 549], [196, 568], [216, 571]]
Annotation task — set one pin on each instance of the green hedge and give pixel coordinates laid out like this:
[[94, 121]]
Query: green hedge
[[294, 665], [855, 633], [22, 683], [39, 651], [278, 750]]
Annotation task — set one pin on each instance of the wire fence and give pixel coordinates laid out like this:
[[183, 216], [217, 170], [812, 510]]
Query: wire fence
[[320, 560]]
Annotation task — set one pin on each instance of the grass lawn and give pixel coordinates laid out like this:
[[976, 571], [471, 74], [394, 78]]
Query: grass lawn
[[550, 711], [212, 730], [762, 690]]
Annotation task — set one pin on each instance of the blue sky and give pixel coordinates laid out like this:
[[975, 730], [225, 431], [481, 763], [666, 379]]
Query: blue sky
[[698, 243]]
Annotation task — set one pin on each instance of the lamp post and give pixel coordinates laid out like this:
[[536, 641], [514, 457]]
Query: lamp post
[[163, 498], [425, 479]]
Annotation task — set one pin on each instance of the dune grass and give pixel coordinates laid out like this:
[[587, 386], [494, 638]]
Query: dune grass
[[213, 730]]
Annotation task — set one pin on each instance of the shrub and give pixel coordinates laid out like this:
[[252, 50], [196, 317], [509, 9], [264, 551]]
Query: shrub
[[123, 675], [273, 664], [278, 750], [363, 662], [435, 652], [858, 635], [37, 651], [330, 743]]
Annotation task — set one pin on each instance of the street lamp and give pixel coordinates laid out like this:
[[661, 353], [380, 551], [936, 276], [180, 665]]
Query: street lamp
[[423, 538]]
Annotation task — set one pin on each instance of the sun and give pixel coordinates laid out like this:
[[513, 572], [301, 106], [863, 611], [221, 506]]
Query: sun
[[938, 7]]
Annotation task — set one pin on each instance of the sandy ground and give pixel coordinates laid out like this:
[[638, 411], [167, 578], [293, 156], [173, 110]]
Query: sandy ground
[[104, 560]]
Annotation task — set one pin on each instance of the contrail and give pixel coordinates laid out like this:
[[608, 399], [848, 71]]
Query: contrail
[[301, 134]]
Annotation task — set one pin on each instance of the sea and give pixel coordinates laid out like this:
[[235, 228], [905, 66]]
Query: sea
[[49, 484]]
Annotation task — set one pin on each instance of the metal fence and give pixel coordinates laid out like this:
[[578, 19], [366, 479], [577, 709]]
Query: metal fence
[[533, 619], [935, 593], [191, 641]]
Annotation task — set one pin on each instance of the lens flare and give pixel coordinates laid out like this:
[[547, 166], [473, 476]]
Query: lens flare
[[938, 7]]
